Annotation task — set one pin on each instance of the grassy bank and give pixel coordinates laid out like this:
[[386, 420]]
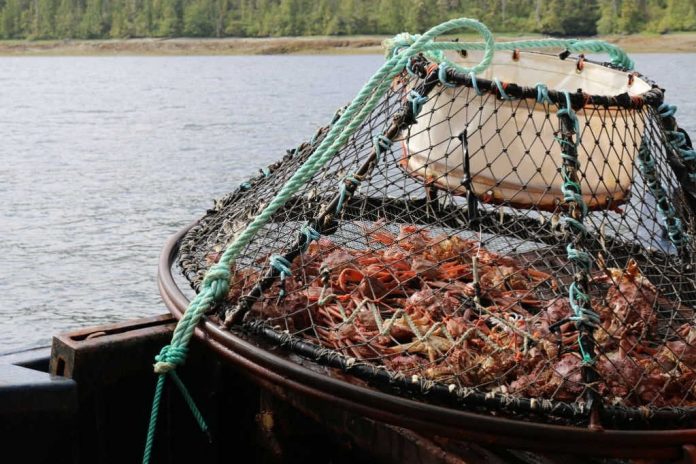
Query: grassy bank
[[680, 42]]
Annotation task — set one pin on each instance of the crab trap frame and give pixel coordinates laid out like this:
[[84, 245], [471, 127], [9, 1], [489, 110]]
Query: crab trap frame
[[503, 246]]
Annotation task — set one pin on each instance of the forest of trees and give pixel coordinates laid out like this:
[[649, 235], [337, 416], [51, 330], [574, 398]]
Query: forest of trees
[[101, 19]]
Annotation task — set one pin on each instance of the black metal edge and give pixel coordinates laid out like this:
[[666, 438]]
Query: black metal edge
[[36, 358]]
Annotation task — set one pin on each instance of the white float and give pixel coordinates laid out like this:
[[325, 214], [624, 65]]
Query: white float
[[515, 158]]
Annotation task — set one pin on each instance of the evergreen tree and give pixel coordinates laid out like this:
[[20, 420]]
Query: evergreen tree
[[169, 24], [11, 24], [551, 20], [680, 15], [570, 18], [46, 19], [609, 15], [197, 19], [66, 19], [631, 18], [259, 18], [143, 21], [91, 25]]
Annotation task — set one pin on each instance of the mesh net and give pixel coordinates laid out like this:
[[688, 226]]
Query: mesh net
[[510, 246]]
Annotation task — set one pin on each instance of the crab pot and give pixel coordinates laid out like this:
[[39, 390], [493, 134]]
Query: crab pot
[[505, 257]]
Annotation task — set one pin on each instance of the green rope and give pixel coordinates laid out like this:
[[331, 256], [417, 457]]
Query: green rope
[[434, 51], [216, 282], [647, 166], [215, 285], [579, 300]]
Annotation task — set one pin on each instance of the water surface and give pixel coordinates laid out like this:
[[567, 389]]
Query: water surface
[[103, 158]]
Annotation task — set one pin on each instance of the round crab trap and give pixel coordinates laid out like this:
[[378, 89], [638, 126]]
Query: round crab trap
[[488, 242]]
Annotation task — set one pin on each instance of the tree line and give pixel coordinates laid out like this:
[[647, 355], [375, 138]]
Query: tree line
[[103, 19]]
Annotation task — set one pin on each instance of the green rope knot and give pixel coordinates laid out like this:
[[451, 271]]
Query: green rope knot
[[579, 257], [442, 75], [678, 140], [542, 93], [399, 42], [572, 193], [381, 144], [217, 280], [575, 226], [474, 83], [169, 358], [568, 111], [343, 190], [580, 302], [417, 101], [646, 165], [310, 235], [282, 265], [501, 90]]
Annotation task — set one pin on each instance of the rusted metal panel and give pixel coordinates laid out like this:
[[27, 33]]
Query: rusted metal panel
[[112, 366], [109, 352]]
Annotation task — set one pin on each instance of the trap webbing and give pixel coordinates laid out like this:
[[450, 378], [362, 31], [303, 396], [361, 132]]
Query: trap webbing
[[526, 243]]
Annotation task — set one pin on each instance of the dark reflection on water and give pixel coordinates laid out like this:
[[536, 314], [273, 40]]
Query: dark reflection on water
[[104, 158]]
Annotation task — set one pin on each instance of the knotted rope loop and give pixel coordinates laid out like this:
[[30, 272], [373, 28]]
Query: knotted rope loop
[[501, 89], [343, 190], [675, 232], [442, 75], [169, 358], [666, 110], [676, 138], [542, 93], [474, 84], [577, 300], [409, 69], [282, 265], [579, 257], [572, 193], [381, 144], [406, 45], [567, 110], [575, 226], [417, 101], [310, 235], [399, 42], [571, 159], [217, 280], [687, 154]]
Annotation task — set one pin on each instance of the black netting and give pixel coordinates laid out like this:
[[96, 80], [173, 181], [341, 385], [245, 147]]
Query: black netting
[[451, 250]]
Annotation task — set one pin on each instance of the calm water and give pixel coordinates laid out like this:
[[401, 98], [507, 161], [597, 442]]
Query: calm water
[[102, 159]]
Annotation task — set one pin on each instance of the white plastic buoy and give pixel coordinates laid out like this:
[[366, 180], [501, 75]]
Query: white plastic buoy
[[513, 147]]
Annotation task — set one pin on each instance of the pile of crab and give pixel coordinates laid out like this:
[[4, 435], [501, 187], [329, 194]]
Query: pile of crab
[[447, 309]]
